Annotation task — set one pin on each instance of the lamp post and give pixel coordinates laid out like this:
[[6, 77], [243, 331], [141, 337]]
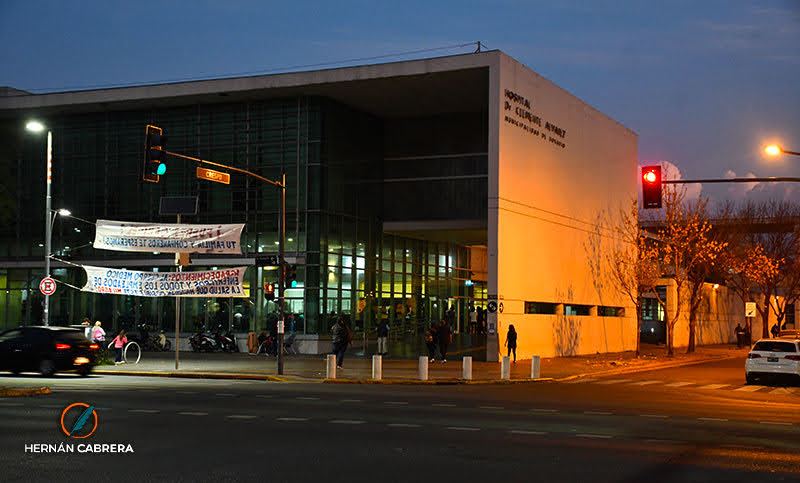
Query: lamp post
[[774, 150], [48, 224]]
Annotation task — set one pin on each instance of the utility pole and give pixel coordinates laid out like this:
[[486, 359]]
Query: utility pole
[[281, 274]]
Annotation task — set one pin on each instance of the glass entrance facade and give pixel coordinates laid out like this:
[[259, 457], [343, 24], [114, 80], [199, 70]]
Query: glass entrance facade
[[334, 159]]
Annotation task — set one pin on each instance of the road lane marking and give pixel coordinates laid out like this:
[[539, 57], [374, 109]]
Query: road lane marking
[[396, 403], [782, 390], [748, 388], [224, 394], [307, 398], [443, 405], [192, 413], [658, 416], [491, 407], [595, 436], [533, 433], [678, 384], [722, 420], [241, 416], [403, 425], [145, 411], [346, 421], [598, 413], [578, 381], [10, 404], [51, 406], [714, 386], [777, 423], [186, 392], [612, 381], [351, 400], [462, 428], [265, 396], [543, 410], [291, 420], [644, 383]]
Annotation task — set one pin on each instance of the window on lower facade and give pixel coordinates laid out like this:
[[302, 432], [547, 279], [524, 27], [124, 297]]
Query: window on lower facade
[[605, 311], [540, 308], [572, 309]]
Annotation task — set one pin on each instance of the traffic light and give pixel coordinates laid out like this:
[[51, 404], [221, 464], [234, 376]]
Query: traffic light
[[269, 291], [154, 142], [290, 276], [651, 186]]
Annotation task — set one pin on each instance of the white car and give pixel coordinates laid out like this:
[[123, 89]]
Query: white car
[[773, 357]]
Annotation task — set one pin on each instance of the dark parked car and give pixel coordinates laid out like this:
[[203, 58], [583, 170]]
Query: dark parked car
[[46, 350]]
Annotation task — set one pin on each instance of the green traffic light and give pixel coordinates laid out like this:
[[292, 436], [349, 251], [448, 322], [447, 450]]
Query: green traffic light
[[162, 168], [294, 283]]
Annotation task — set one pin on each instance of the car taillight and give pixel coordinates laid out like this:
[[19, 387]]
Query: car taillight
[[753, 356], [62, 347], [793, 358], [94, 346]]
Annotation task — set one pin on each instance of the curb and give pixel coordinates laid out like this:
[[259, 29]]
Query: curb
[[435, 382], [655, 367], [200, 375], [37, 391]]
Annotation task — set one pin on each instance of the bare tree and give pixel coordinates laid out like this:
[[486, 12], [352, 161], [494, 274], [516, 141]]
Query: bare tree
[[687, 246]]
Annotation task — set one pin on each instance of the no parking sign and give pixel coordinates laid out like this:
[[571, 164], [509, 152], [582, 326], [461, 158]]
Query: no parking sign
[[47, 286]]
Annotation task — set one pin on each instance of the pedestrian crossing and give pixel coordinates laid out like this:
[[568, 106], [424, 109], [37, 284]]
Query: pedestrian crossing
[[686, 385]]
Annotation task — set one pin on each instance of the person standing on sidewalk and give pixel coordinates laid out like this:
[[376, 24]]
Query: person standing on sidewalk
[[511, 342], [340, 341], [119, 343], [445, 337], [431, 341], [383, 335]]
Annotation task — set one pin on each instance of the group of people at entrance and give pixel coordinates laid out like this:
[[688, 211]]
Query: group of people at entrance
[[438, 336]]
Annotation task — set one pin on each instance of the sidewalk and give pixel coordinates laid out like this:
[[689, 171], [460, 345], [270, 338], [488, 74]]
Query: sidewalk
[[357, 369]]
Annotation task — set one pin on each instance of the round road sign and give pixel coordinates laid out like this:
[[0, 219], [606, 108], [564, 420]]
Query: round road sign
[[47, 286]]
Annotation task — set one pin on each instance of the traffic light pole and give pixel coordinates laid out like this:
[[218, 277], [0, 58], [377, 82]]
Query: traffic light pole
[[281, 243], [281, 274]]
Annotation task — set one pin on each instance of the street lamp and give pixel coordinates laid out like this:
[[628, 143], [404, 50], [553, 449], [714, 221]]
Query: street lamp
[[774, 150], [35, 126]]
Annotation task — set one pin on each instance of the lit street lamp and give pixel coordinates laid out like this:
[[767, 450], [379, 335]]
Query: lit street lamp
[[48, 222], [774, 150]]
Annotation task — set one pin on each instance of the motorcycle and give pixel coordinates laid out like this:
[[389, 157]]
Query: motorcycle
[[203, 342], [227, 342]]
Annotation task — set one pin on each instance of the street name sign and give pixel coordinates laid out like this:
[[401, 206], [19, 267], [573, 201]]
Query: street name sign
[[211, 175]]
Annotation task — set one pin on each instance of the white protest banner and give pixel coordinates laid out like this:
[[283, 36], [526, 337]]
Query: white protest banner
[[128, 236], [208, 283]]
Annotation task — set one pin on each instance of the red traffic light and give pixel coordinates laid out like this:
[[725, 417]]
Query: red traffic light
[[651, 186], [269, 290]]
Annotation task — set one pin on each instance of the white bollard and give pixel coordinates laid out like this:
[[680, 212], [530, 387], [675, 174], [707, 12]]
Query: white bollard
[[535, 367], [466, 368], [423, 368], [377, 367], [331, 373], [505, 368]]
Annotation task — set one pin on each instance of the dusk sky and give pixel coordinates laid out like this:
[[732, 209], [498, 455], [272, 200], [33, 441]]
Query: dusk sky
[[705, 84]]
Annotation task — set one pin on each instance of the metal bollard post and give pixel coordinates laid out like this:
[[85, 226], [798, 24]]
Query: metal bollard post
[[505, 368], [377, 367], [466, 368], [423, 368], [535, 367], [331, 373]]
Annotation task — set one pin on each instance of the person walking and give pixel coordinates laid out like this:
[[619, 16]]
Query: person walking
[[383, 335], [431, 340], [473, 320], [511, 342], [774, 330], [445, 337], [87, 328], [119, 343]]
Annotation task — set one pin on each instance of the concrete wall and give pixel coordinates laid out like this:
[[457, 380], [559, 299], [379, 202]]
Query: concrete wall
[[554, 164]]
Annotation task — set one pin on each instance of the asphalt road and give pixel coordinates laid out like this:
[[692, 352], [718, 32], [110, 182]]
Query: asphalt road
[[697, 423]]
